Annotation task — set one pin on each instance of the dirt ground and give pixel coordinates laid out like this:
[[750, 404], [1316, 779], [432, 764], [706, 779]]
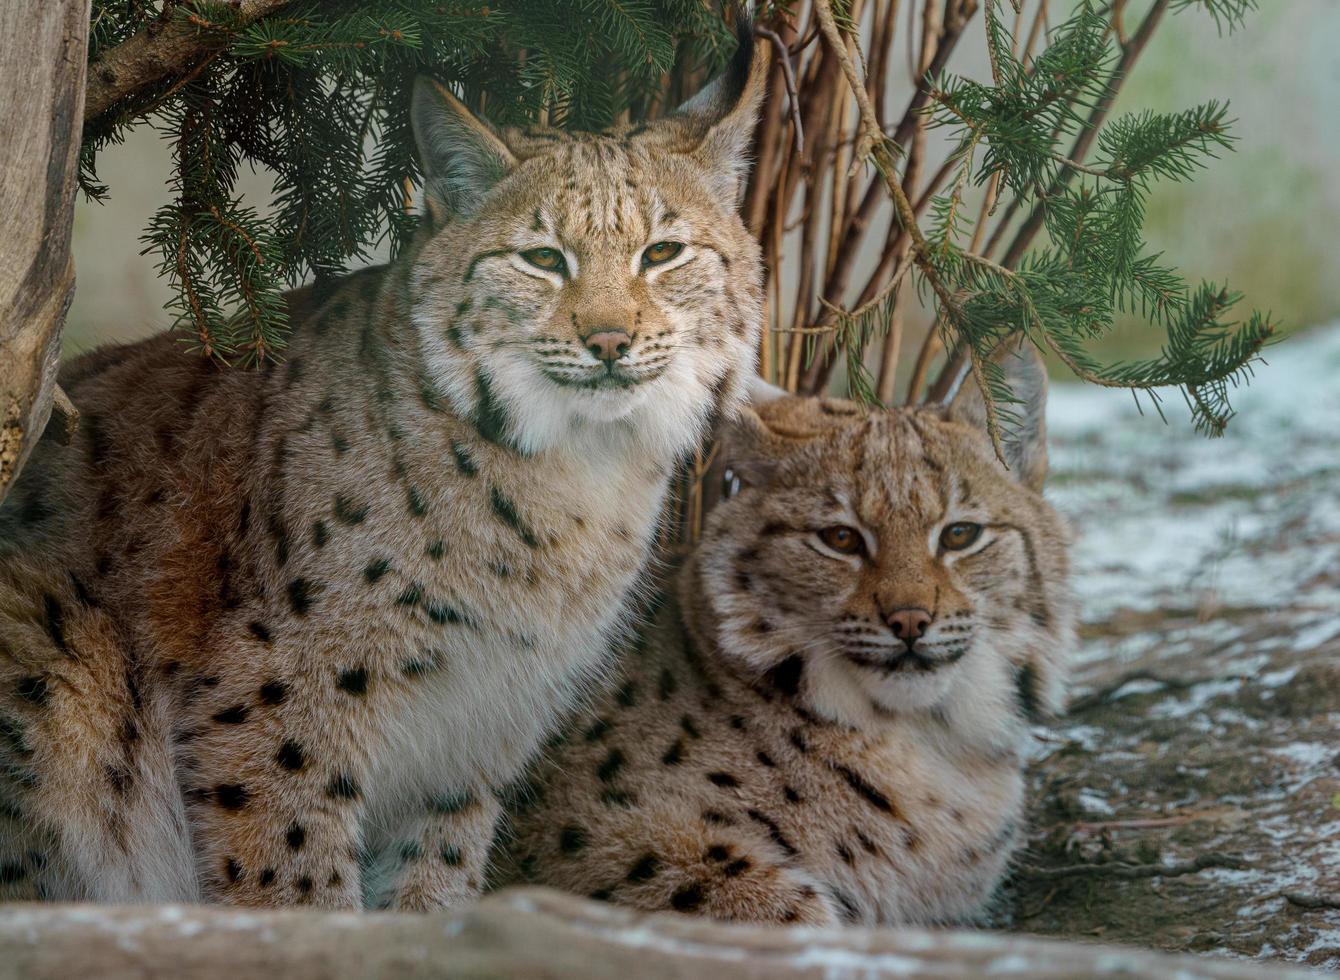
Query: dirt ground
[[1190, 799]]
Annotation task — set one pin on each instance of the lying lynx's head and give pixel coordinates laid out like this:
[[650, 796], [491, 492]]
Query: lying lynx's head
[[883, 562], [595, 282]]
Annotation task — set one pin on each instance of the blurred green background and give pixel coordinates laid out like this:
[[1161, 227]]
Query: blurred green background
[[1265, 218]]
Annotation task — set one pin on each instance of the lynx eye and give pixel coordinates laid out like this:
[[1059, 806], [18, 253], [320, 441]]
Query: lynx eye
[[548, 259], [958, 536], [842, 539], [660, 253]]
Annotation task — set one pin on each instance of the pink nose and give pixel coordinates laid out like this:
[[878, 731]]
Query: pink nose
[[909, 624], [608, 345]]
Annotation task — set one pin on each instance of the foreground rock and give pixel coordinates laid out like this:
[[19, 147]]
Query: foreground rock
[[530, 934], [1205, 736]]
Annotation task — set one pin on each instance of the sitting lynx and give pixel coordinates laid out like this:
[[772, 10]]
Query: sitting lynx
[[278, 639], [827, 725]]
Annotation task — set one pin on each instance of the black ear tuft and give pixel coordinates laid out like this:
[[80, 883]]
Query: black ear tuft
[[718, 97], [735, 79], [729, 106]]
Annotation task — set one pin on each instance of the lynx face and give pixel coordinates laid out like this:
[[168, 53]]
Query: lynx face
[[887, 558], [579, 282]]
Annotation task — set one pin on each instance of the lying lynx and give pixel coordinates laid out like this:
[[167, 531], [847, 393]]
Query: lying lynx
[[278, 639], [826, 725]]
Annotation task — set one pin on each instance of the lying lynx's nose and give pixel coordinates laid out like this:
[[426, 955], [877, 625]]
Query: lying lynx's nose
[[608, 345], [909, 625]]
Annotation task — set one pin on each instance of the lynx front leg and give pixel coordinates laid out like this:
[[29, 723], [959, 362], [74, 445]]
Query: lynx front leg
[[276, 794], [89, 803], [444, 853], [26, 852]]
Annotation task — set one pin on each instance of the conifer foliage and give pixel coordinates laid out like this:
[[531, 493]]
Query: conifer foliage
[[1095, 262], [317, 92]]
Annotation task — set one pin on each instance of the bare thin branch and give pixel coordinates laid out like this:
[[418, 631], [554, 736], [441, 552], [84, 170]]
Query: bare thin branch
[[789, 75], [879, 149], [1121, 869]]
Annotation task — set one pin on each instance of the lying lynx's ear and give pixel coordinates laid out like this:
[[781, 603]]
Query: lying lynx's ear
[[730, 107], [767, 431], [760, 392], [749, 443], [461, 156], [1025, 443], [743, 457], [773, 426]]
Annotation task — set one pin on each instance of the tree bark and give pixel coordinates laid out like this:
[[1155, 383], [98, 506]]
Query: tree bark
[[535, 933], [42, 59]]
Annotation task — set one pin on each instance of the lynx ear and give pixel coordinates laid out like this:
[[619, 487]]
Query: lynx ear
[[749, 444], [742, 458], [729, 106], [1025, 443], [461, 156], [761, 391]]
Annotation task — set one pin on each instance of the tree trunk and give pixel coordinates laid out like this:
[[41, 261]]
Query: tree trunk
[[536, 933], [43, 50]]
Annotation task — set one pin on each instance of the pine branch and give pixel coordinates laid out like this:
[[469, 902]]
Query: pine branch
[[157, 51], [1226, 13], [1130, 53], [1064, 295]]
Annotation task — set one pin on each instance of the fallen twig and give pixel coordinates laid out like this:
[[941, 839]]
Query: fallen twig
[[1108, 692], [1148, 823], [1041, 906], [1311, 901], [1121, 869]]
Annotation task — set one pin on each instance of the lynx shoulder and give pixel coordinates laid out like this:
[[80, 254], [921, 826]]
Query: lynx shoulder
[[279, 639], [825, 721]]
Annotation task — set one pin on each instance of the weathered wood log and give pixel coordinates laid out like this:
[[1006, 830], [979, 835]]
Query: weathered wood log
[[43, 48], [535, 933]]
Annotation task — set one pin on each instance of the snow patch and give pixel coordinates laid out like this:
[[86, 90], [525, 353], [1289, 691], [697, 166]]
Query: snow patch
[[1165, 516], [1315, 635], [1091, 802]]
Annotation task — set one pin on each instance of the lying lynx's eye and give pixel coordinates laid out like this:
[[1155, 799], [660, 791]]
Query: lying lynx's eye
[[660, 253], [958, 536], [842, 539], [548, 259]]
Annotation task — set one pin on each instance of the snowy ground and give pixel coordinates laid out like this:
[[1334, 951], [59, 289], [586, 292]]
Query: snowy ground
[[1206, 717]]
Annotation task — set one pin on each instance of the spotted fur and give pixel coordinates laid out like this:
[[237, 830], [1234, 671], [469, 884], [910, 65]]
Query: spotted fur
[[279, 638], [772, 750]]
